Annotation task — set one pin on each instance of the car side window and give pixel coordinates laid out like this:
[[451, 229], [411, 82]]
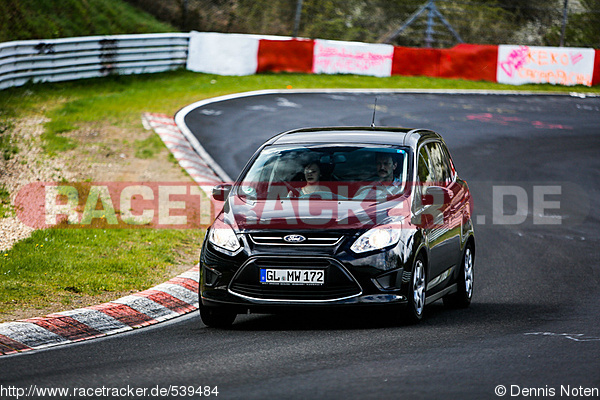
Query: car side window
[[424, 168], [425, 176], [440, 163], [450, 163]]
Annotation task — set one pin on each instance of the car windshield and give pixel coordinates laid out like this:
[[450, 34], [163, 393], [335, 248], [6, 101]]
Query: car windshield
[[327, 172]]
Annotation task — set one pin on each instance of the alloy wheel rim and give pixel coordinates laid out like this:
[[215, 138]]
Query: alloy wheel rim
[[468, 267], [419, 287]]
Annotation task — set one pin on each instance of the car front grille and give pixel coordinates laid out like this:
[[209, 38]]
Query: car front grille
[[309, 240], [339, 284]]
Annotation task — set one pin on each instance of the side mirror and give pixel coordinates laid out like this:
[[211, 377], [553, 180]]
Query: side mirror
[[433, 200], [434, 196], [220, 192]]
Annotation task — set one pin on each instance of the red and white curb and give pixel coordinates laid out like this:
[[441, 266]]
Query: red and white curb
[[168, 300], [180, 147]]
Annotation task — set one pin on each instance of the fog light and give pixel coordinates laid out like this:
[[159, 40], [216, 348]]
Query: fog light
[[210, 276], [387, 282]]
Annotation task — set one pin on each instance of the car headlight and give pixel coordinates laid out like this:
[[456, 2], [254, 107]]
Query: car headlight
[[375, 239], [224, 237]]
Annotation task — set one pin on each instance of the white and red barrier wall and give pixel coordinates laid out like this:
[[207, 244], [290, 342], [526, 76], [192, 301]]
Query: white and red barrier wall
[[236, 54]]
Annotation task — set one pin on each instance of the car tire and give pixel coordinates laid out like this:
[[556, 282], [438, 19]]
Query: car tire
[[217, 317], [462, 298], [416, 292]]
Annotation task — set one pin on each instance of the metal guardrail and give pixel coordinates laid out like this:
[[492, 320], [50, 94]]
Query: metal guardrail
[[88, 57]]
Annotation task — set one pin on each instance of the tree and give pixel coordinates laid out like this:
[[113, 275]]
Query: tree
[[583, 28]]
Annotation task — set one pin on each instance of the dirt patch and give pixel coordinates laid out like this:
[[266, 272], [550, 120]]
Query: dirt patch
[[28, 165], [110, 153]]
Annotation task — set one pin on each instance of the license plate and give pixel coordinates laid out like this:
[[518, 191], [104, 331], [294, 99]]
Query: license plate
[[292, 276]]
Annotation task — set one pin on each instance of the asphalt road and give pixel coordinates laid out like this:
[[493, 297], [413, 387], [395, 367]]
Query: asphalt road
[[533, 166]]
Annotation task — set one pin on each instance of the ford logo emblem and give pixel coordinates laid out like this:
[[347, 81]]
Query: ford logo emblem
[[294, 238]]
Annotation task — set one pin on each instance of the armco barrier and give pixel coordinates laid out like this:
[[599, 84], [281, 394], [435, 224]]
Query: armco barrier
[[88, 57]]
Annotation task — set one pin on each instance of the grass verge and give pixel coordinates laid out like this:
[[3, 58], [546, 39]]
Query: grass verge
[[64, 266]]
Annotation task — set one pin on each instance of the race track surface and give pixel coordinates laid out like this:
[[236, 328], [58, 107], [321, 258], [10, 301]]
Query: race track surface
[[534, 324]]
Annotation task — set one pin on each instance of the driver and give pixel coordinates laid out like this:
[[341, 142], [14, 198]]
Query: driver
[[386, 183], [386, 167]]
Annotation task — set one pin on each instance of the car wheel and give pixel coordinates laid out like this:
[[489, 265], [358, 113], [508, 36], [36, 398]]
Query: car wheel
[[416, 292], [462, 298], [216, 317]]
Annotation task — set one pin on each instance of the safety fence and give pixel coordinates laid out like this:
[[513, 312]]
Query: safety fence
[[88, 57], [237, 54]]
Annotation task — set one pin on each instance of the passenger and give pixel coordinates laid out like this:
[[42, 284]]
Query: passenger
[[312, 175]]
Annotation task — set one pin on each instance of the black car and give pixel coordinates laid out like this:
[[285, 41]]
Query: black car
[[340, 217]]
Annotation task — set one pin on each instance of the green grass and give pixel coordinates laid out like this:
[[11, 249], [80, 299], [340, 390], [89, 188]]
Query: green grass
[[54, 142], [5, 206], [59, 264], [148, 148], [45, 19], [8, 148]]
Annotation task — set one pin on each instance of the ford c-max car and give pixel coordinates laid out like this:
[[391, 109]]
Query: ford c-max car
[[340, 217]]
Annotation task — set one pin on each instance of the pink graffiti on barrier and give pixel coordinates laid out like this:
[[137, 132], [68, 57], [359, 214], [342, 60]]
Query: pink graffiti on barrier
[[555, 77], [330, 57], [546, 65], [575, 58], [515, 61]]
